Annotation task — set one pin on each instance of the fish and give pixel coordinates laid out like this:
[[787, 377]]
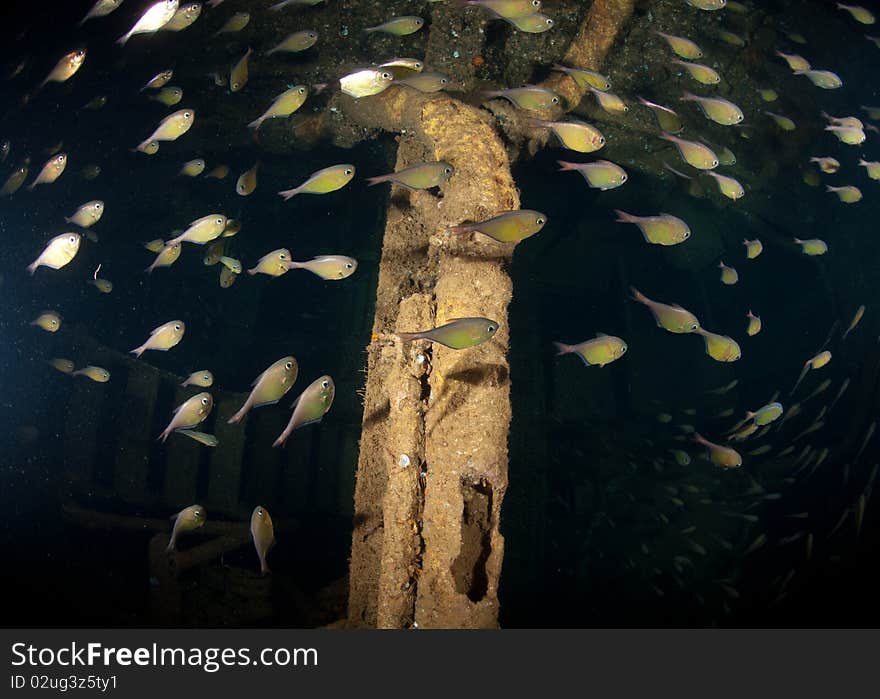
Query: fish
[[214, 252], [398, 26], [766, 414], [88, 214], [420, 176], [15, 180], [148, 147], [425, 82], [65, 366], [849, 121], [191, 413], [169, 96], [283, 106], [728, 186], [192, 168], [768, 94], [330, 267], [238, 76], [794, 61], [662, 229], [869, 433], [171, 128], [754, 325], [872, 168], [202, 378], [183, 18], [155, 17], [696, 154], [187, 520], [247, 183], [101, 8], [600, 174], [816, 362], [822, 78], [94, 104], [167, 256], [840, 392], [231, 264], [263, 534], [859, 14], [218, 173], [161, 79], [202, 230], [574, 135], [608, 101], [58, 252], [753, 248], [51, 171], [685, 48], [530, 97], [673, 318], [227, 277], [826, 164], [719, 455], [155, 245], [162, 338], [821, 388], [323, 181], [857, 318], [812, 247], [365, 83], [699, 72], [584, 78], [759, 541], [682, 458], [309, 407], [729, 275], [295, 42], [403, 67], [847, 134], [847, 194], [509, 227], [667, 119], [722, 348], [708, 6], [49, 321], [95, 373], [269, 387], [716, 109], [274, 263], [105, 286], [535, 23], [66, 68], [760, 450], [509, 9], [730, 38], [601, 350], [234, 24], [459, 333]]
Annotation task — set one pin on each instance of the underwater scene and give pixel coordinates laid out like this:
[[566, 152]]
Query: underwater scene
[[439, 314]]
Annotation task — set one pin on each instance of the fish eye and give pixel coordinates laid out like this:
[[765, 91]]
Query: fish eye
[[348, 171], [260, 511], [177, 326], [204, 401], [282, 256], [447, 170], [536, 3], [301, 91], [348, 265], [325, 384], [695, 326], [623, 177], [187, 115], [99, 205], [555, 100], [72, 239], [417, 65], [739, 117], [687, 234], [443, 81], [288, 365], [601, 139], [548, 22], [491, 328], [197, 513], [386, 76], [540, 221], [220, 221]]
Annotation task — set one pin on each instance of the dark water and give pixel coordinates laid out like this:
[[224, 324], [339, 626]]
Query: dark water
[[592, 518]]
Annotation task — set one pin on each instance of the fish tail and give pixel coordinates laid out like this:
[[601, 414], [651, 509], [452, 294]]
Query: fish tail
[[137, 351], [122, 40], [829, 188], [638, 295], [666, 137], [256, 123], [264, 567], [565, 165], [252, 272], [562, 348], [459, 229], [295, 265], [288, 194], [623, 217], [32, 267], [797, 240], [688, 97], [409, 337], [376, 180]]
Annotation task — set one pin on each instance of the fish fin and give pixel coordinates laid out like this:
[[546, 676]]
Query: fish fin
[[562, 348], [33, 266], [261, 405], [137, 351], [565, 165], [460, 229], [601, 334], [379, 179], [256, 123], [288, 194], [408, 337], [295, 401]]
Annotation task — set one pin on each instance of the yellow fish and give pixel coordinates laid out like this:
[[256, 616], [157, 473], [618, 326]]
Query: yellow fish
[[234, 24], [872, 168], [159, 80], [531, 98], [794, 61], [58, 253], [155, 245], [673, 318], [668, 119], [768, 94], [296, 42], [238, 76], [88, 214], [189, 414], [218, 173], [860, 311], [269, 387], [754, 326], [509, 227], [420, 176], [399, 26], [95, 373], [323, 181], [574, 135], [231, 264], [65, 366], [365, 83], [162, 338], [247, 183], [531, 24], [16, 179], [729, 275], [202, 230], [730, 38], [783, 122], [184, 17], [49, 321], [51, 170], [227, 277], [699, 72], [859, 14], [696, 154], [847, 194], [822, 78], [685, 48], [403, 67], [722, 348], [192, 168], [330, 267], [826, 164], [812, 247], [728, 186], [716, 109], [753, 248], [284, 105], [263, 534], [101, 8], [148, 147], [610, 102], [214, 252], [167, 256], [663, 229], [187, 520], [719, 455], [847, 134], [105, 286], [601, 350], [66, 68], [817, 362], [585, 78], [155, 17], [274, 263], [170, 128], [600, 174], [309, 407], [169, 96]]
